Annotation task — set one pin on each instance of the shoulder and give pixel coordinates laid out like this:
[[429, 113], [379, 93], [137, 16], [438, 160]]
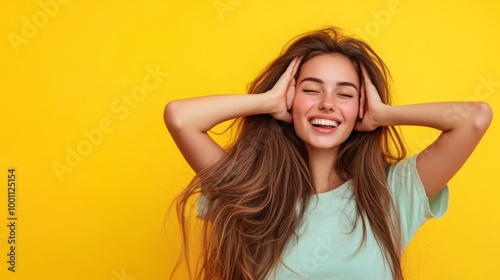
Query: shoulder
[[404, 171], [405, 183], [410, 199]]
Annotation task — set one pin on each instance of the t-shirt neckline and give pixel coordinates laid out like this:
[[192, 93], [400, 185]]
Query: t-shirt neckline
[[334, 191]]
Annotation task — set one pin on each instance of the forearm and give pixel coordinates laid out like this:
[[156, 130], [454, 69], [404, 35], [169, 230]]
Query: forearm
[[444, 116], [203, 113], [463, 124]]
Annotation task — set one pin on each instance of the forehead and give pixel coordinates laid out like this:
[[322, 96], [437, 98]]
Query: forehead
[[329, 68]]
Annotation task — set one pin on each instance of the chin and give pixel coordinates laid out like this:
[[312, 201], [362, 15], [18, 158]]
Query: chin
[[323, 146]]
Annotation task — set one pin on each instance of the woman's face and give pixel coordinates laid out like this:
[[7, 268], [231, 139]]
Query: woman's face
[[326, 103]]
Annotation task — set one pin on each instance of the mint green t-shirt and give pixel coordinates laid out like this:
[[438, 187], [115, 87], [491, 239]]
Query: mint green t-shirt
[[326, 244]]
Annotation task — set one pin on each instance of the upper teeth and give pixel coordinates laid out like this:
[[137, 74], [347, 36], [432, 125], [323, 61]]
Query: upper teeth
[[324, 122]]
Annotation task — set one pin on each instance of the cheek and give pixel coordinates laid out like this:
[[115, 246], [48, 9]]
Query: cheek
[[299, 105], [350, 112]]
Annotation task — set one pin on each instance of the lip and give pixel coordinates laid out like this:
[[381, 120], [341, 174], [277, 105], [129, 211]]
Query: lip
[[324, 130], [324, 117]]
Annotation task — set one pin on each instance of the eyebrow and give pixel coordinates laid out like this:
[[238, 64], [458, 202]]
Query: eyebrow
[[319, 81]]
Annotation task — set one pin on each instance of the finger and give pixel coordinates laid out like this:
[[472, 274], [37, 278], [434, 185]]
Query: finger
[[366, 78], [369, 91], [290, 95], [362, 101], [362, 98], [291, 66], [297, 61], [286, 77]]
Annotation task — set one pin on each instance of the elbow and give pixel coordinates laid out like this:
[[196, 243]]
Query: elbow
[[483, 114], [171, 115]]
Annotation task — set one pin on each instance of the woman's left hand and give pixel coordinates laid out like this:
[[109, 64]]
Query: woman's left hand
[[371, 107]]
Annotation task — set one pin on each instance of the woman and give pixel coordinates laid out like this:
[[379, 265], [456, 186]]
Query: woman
[[316, 184]]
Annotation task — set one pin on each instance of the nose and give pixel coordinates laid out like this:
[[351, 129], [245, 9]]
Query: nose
[[327, 103]]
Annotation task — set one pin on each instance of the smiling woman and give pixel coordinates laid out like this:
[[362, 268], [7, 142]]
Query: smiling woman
[[316, 185], [327, 97]]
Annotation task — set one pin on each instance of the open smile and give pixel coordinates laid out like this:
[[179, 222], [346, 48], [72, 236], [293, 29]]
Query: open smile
[[324, 125]]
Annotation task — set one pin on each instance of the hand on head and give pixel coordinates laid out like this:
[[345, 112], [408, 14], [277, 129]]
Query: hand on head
[[284, 92], [370, 105]]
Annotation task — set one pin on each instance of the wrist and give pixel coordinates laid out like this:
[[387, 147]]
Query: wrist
[[383, 117], [271, 104]]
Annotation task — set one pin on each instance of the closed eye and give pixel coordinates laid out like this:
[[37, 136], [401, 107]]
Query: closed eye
[[311, 90], [347, 95]]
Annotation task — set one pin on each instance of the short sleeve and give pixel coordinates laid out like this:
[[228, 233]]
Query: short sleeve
[[413, 205]]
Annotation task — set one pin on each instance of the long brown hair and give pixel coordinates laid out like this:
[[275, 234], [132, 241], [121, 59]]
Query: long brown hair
[[255, 197]]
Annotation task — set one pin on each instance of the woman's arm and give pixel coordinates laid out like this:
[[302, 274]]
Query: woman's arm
[[189, 120], [461, 132], [439, 162]]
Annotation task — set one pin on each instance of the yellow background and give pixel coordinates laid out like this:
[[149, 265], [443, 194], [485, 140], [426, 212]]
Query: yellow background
[[69, 75]]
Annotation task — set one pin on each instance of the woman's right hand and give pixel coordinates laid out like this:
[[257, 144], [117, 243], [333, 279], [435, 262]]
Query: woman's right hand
[[284, 92]]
